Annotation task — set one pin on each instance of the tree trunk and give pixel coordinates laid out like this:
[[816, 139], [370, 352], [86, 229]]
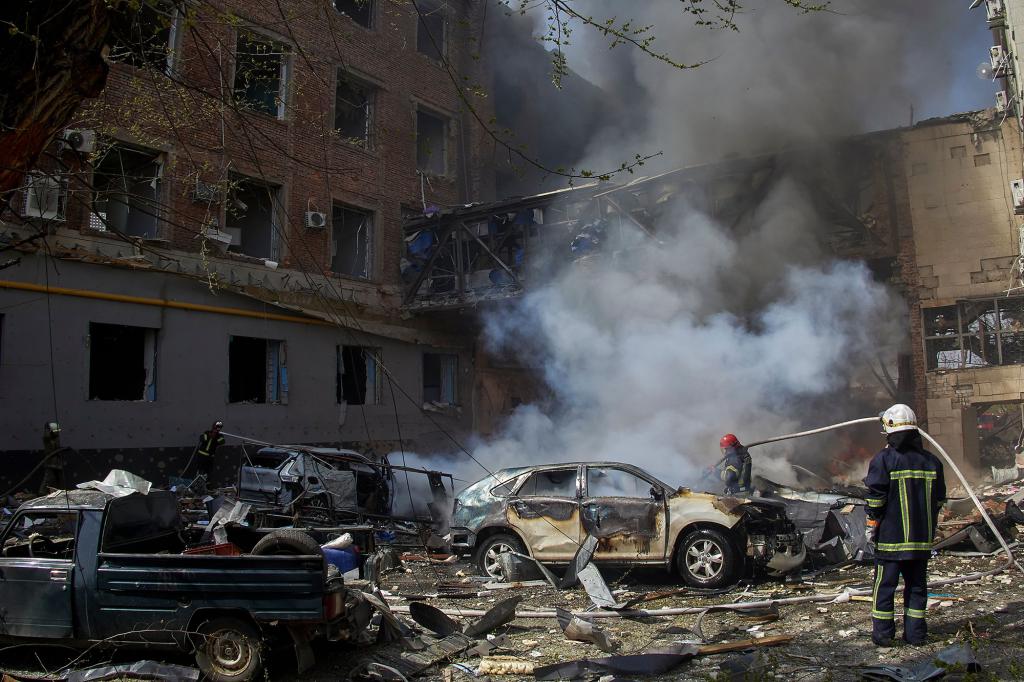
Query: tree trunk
[[52, 51]]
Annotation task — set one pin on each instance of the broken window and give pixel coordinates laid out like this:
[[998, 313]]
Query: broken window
[[353, 110], [440, 372], [558, 483], [359, 11], [45, 196], [251, 220], [261, 73], [432, 25], [976, 333], [607, 482], [358, 379], [122, 362], [257, 370], [351, 241], [142, 34], [431, 143], [126, 191], [42, 535]]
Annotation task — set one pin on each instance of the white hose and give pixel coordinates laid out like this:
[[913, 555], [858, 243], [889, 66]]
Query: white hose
[[974, 498]]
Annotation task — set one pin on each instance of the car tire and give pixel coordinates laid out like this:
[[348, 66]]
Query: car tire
[[229, 650], [287, 542], [487, 554], [708, 558]]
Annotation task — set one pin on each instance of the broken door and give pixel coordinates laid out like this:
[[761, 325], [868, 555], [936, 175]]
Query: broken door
[[626, 513], [545, 512]]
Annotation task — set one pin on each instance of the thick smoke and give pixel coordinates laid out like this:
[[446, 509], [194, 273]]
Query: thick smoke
[[652, 354], [783, 78]]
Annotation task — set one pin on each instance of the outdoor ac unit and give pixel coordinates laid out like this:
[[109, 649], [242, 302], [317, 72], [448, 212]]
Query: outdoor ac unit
[[997, 58], [83, 141], [315, 220], [1017, 191], [44, 197], [236, 235], [993, 9], [98, 221], [1002, 101]]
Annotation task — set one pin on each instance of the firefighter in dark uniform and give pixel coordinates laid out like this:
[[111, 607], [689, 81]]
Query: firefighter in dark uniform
[[209, 441], [906, 489], [734, 469], [53, 459]]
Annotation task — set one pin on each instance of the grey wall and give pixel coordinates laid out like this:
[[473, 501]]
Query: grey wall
[[192, 370]]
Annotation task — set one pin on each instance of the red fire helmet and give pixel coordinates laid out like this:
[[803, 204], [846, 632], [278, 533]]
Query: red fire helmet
[[728, 440]]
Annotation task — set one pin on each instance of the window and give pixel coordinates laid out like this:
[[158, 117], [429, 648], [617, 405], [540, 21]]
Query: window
[[45, 196], [143, 36], [359, 11], [358, 379], [42, 535], [353, 110], [431, 28], [257, 370], [976, 333], [261, 74], [431, 143], [957, 152], [250, 218], [440, 374], [126, 192], [351, 233], [605, 482], [557, 483], [122, 362]]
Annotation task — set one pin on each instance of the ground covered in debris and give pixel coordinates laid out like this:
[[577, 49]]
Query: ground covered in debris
[[831, 641]]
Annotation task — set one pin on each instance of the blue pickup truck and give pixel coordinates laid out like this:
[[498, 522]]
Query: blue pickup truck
[[82, 567]]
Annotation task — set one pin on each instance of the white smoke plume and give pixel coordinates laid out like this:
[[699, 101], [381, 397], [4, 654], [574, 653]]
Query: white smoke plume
[[652, 355]]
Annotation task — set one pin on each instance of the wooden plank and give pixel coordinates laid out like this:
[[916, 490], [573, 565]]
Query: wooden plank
[[740, 645]]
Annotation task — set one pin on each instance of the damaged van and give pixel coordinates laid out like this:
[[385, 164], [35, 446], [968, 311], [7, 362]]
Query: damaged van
[[547, 511]]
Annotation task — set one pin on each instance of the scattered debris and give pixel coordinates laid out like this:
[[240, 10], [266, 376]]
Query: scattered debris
[[580, 630], [505, 665], [959, 655], [119, 483], [140, 670], [653, 662]]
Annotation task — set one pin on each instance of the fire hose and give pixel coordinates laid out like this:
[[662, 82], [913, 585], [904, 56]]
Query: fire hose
[[835, 597]]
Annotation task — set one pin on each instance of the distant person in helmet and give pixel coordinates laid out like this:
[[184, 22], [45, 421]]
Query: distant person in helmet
[[906, 489], [734, 469]]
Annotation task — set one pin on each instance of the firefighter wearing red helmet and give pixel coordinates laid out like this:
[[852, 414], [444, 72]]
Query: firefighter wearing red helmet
[[734, 469]]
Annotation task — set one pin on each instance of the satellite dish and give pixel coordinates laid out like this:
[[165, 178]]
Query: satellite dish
[[984, 71]]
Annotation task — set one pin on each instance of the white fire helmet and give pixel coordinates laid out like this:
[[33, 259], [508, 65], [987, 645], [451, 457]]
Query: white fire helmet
[[899, 417]]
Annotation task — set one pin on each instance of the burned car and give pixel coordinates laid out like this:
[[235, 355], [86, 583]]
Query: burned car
[[547, 511], [327, 485]]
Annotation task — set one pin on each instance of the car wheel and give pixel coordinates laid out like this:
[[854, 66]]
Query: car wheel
[[229, 650], [289, 542], [708, 558], [488, 552]]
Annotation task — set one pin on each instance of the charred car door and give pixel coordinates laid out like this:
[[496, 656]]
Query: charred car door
[[626, 513], [36, 575], [545, 512]]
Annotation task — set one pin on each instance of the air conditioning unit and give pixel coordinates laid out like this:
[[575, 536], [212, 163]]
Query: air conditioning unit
[[997, 59], [1002, 101], [1017, 191], [994, 9], [44, 197], [235, 233], [82, 141], [315, 220]]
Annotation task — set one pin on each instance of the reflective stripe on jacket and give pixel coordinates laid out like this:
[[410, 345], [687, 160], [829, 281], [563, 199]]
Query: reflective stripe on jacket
[[906, 488]]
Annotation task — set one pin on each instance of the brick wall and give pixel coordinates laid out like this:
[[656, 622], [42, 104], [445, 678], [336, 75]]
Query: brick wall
[[964, 242], [183, 116]]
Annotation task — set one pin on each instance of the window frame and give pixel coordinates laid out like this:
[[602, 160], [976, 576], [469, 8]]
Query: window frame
[[586, 481], [150, 363], [455, 378], [371, 15], [371, 357], [961, 336], [529, 475], [446, 130], [371, 236], [439, 6], [168, 63], [342, 76], [284, 74], [9, 531], [278, 394], [159, 158]]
